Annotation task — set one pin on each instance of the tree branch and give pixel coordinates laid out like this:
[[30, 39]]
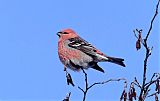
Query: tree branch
[[152, 81], [137, 83], [87, 87], [144, 90], [100, 83], [150, 28], [152, 94]]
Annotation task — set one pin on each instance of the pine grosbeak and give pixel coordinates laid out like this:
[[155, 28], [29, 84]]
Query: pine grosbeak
[[76, 53]]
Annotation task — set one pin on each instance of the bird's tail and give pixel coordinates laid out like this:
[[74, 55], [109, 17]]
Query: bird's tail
[[118, 61]]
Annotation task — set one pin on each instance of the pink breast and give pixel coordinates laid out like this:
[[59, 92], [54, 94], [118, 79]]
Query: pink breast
[[67, 54]]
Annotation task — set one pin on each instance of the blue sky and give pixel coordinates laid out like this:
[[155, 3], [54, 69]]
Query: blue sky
[[30, 69]]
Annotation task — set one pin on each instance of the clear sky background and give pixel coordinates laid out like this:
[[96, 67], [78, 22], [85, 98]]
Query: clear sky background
[[30, 69]]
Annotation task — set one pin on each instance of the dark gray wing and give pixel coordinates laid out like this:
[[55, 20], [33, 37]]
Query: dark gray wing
[[82, 45]]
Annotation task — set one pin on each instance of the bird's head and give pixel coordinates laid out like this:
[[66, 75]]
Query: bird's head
[[66, 34]]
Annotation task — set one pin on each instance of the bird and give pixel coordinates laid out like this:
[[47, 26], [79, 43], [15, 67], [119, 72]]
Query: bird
[[76, 53]]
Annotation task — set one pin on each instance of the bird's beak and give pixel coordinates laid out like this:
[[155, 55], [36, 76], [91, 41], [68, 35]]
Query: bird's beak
[[59, 33]]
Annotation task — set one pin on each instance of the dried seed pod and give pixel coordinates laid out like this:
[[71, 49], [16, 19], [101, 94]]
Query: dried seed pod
[[130, 96], [138, 45], [67, 97], [156, 97], [125, 96], [69, 79], [138, 42], [134, 95]]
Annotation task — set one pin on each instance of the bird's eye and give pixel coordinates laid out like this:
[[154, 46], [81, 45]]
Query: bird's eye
[[65, 33]]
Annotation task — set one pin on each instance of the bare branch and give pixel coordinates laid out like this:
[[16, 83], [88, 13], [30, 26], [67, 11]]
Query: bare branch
[[152, 81], [81, 89], [87, 87], [104, 82], [152, 94], [151, 24], [137, 83]]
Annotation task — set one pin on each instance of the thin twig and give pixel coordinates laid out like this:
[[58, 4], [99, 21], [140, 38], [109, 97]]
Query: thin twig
[[153, 94], [86, 85], [81, 89], [151, 24], [137, 83], [98, 83], [152, 81]]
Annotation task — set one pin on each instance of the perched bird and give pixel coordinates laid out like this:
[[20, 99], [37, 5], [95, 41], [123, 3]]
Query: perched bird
[[76, 53]]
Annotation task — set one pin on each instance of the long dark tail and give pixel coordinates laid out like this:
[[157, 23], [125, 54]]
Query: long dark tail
[[118, 61]]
